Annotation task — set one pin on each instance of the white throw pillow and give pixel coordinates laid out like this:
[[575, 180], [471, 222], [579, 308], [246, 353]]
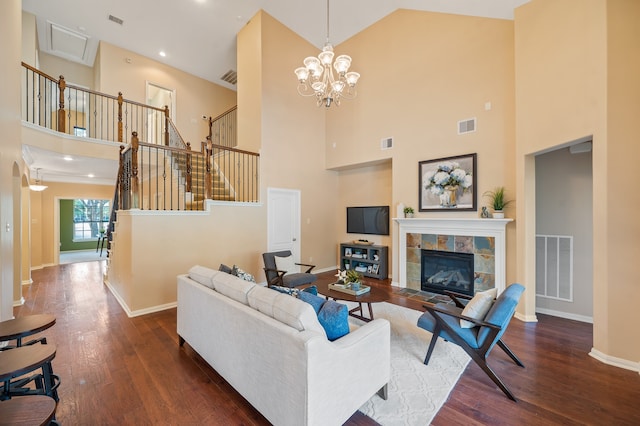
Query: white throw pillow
[[478, 306], [286, 264]]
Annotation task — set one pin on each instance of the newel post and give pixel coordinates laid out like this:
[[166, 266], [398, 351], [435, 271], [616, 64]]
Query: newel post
[[61, 113], [188, 189], [120, 131], [208, 179], [166, 125], [135, 199]]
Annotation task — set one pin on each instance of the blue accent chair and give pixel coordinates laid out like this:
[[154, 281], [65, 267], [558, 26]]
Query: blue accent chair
[[443, 320]]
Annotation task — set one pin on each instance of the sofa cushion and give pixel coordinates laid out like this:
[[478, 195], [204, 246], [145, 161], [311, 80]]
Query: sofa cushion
[[288, 310], [334, 318], [232, 287], [203, 275]]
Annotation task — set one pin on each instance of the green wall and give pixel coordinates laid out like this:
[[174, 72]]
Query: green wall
[[66, 230]]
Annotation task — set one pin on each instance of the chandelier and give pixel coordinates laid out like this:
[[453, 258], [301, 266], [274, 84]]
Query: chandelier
[[317, 77]]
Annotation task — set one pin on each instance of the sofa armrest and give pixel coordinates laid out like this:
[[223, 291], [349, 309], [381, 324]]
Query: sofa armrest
[[351, 369]]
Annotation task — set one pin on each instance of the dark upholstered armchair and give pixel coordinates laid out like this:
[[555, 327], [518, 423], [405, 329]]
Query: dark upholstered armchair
[[283, 277], [443, 320]]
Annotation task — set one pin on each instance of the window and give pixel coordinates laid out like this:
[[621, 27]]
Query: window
[[90, 218]]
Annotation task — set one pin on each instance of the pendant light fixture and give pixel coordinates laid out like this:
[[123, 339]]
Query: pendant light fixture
[[38, 186], [317, 77]]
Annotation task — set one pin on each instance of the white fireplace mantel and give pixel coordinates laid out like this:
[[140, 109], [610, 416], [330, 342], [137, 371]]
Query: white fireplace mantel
[[472, 227]]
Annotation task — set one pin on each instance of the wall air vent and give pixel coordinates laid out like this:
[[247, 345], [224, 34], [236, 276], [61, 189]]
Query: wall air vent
[[230, 77], [116, 20], [467, 126], [386, 143]]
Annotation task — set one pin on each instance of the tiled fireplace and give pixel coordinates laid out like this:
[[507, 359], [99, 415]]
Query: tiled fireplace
[[481, 241]]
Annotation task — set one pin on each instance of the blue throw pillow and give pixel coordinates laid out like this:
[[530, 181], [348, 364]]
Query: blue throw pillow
[[295, 292], [334, 318], [312, 299]]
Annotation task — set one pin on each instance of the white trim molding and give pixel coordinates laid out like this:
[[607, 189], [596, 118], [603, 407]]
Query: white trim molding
[[616, 362]]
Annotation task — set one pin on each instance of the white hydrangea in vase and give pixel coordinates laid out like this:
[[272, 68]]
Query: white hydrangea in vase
[[445, 182]]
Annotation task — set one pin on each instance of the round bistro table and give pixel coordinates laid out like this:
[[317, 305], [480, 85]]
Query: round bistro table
[[375, 295], [27, 411], [17, 328]]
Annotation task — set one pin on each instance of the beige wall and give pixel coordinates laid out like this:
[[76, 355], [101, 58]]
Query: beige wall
[[73, 72], [29, 41], [292, 141], [365, 186], [422, 73], [621, 251], [10, 151], [45, 222], [574, 78], [195, 97]]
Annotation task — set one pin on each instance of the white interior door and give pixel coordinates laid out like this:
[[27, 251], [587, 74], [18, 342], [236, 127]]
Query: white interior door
[[283, 221], [158, 97]]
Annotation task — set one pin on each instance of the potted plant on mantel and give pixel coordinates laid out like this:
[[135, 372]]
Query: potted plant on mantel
[[497, 201], [408, 212]]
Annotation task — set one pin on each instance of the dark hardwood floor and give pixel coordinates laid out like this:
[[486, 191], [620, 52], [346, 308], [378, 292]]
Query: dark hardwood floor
[[130, 371]]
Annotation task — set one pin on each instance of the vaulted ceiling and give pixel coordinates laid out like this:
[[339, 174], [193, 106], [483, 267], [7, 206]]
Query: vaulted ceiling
[[199, 37]]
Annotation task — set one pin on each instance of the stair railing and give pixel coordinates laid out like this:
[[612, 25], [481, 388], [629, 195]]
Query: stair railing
[[76, 110], [223, 128]]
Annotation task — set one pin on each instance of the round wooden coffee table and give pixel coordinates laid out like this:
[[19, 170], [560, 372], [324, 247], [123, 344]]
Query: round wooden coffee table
[[375, 295]]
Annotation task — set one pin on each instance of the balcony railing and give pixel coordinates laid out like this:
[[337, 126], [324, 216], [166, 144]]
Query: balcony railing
[[157, 177], [158, 169], [66, 108]]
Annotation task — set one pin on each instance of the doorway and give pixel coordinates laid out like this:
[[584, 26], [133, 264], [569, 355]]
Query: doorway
[[564, 232], [159, 97], [283, 221]]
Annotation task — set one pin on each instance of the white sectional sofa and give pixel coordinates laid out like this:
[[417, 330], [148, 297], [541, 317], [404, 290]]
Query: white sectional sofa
[[272, 349]]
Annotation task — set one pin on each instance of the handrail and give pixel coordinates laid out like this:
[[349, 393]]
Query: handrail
[[160, 177], [225, 126], [89, 113]]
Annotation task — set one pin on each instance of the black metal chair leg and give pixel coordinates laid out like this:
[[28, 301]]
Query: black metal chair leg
[[432, 344], [513, 356]]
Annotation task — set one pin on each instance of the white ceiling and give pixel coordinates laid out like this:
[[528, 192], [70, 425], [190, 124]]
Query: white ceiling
[[199, 37]]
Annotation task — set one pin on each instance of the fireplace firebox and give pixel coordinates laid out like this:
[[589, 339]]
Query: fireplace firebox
[[443, 270]]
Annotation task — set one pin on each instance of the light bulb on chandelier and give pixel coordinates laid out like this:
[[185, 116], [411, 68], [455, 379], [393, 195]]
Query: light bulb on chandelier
[[317, 77]]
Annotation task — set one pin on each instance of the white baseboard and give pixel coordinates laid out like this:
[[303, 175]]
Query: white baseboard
[[614, 361], [18, 302], [27, 282], [567, 315], [526, 318], [138, 312]]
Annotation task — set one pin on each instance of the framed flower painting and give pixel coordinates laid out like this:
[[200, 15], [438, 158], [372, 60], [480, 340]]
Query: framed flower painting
[[448, 183]]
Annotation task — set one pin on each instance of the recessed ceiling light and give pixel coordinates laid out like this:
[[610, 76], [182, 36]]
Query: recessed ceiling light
[[67, 158], [91, 175], [162, 53]]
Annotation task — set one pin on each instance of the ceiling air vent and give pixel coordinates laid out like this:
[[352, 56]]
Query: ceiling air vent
[[467, 126], [386, 143], [116, 20], [230, 77]]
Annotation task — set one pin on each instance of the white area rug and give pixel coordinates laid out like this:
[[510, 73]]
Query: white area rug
[[416, 391]]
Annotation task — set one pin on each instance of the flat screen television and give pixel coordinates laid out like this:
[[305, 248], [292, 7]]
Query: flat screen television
[[368, 220]]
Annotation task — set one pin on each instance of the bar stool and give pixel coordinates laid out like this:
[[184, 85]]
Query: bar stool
[[24, 360], [101, 240], [18, 328], [28, 411]]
